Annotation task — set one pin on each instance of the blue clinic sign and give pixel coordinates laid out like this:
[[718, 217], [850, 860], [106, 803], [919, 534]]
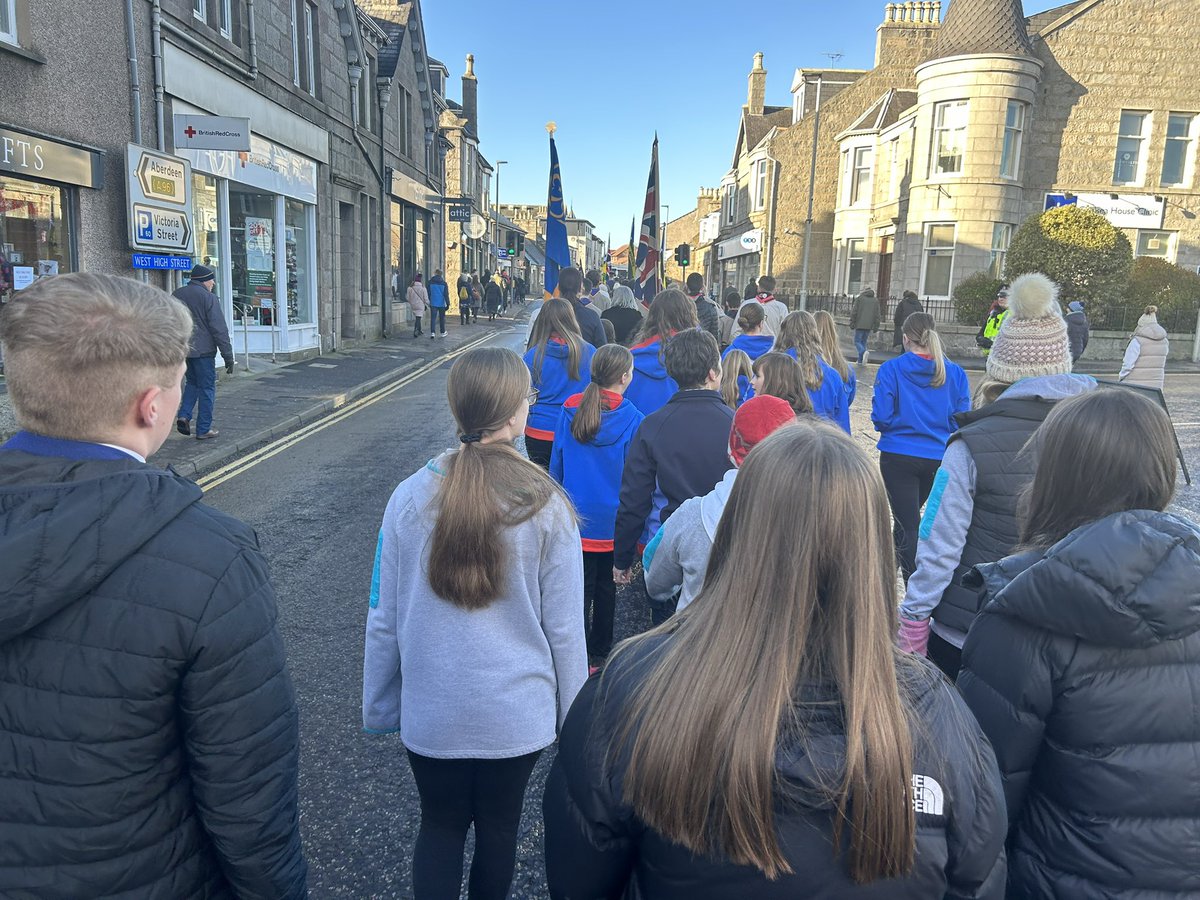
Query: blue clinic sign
[[158, 261]]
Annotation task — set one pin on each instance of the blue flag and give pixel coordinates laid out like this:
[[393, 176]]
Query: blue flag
[[558, 253]]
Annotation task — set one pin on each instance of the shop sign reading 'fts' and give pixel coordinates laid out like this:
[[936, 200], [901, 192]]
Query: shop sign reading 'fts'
[[158, 187]]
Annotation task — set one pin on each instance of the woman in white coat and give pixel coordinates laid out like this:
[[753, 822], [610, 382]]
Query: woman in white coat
[[1145, 360]]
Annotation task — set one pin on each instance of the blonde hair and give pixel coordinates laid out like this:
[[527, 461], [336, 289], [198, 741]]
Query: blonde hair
[[831, 350], [921, 331], [487, 487], [705, 722], [80, 348], [735, 363], [798, 331]]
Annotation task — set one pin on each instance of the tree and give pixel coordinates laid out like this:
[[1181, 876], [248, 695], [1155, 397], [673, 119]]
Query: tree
[[974, 296], [1079, 250], [1163, 284]]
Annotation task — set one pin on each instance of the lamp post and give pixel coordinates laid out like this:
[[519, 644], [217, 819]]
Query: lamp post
[[812, 185], [496, 214]]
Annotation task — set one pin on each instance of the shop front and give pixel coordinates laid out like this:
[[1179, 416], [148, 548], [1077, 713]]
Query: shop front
[[739, 259], [411, 221], [39, 206], [255, 217]]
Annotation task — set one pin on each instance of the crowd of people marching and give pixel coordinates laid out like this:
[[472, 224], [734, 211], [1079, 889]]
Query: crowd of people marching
[[968, 669]]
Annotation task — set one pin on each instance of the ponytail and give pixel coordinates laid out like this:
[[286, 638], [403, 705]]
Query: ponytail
[[609, 363], [921, 330]]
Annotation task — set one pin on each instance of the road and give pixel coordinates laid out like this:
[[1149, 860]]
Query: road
[[317, 507]]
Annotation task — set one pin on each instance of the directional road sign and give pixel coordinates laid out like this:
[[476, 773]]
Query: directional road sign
[[158, 188], [159, 228]]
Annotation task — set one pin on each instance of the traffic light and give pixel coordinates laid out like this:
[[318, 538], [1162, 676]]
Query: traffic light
[[683, 255], [510, 241]]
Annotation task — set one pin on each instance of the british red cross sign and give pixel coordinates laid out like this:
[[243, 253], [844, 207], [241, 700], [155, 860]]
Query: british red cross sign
[[198, 132]]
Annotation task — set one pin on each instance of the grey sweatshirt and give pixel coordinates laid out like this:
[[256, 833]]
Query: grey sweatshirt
[[680, 558], [490, 683], [951, 506]]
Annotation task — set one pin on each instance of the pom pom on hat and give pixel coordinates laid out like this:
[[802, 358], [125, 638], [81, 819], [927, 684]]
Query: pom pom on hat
[[754, 420], [1032, 341]]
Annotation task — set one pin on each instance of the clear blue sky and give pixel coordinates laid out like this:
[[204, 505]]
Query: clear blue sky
[[610, 74]]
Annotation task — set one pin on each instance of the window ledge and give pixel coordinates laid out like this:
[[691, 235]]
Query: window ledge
[[25, 52]]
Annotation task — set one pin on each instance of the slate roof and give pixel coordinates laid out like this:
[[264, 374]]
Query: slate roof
[[982, 27], [756, 127], [884, 112]]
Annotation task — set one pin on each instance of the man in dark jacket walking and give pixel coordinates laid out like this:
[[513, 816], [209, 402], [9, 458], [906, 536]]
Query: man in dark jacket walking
[[149, 727], [706, 311], [1078, 329], [570, 283], [864, 320], [909, 304], [209, 334], [681, 451]]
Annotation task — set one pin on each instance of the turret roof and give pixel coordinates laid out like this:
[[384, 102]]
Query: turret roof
[[982, 27]]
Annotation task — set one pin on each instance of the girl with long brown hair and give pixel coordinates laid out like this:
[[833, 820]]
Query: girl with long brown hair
[[778, 375], [798, 338], [768, 741], [474, 643], [916, 397], [670, 313], [1082, 666], [831, 352], [593, 436], [559, 362]]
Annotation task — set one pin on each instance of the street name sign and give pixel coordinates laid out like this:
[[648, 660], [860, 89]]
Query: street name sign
[[161, 261], [211, 132]]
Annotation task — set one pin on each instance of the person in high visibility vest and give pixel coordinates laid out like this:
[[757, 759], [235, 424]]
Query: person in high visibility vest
[[991, 326]]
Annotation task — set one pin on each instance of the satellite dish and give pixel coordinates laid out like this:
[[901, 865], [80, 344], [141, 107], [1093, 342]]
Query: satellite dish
[[477, 227]]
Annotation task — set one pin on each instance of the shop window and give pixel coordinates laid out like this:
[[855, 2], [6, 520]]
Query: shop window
[[949, 137], [252, 243], [1179, 155], [36, 224], [1129, 167], [854, 266], [861, 160], [938, 260], [205, 223], [298, 222], [8, 21], [1014, 135], [1158, 244], [1001, 238]]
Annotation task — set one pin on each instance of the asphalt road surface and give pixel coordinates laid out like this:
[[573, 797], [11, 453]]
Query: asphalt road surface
[[317, 508]]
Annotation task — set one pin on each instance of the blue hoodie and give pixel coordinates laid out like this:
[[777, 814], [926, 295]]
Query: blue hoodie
[[591, 473], [651, 387], [912, 417], [555, 386], [831, 400]]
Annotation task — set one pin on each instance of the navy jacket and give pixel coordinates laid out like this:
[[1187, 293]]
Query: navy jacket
[[591, 473], [1083, 671], [210, 333], [684, 450], [596, 846], [590, 325]]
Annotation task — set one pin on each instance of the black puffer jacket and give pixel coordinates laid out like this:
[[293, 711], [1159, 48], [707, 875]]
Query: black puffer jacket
[[1084, 670], [148, 730], [597, 847]]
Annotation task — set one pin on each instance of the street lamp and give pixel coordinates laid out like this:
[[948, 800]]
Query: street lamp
[[499, 163]]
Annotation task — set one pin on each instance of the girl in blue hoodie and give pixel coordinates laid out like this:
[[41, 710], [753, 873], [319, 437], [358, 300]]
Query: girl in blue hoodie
[[917, 395], [798, 338], [670, 313], [593, 435], [559, 362], [752, 341], [831, 352]]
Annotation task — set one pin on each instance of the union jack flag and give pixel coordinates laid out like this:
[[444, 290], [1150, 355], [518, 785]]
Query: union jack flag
[[648, 252]]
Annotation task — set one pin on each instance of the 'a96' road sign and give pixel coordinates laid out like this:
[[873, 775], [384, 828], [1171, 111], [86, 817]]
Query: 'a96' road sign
[[158, 188]]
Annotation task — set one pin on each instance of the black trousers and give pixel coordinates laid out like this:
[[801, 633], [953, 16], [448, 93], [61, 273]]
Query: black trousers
[[599, 602], [538, 451], [417, 326], [456, 793], [908, 480], [944, 655]]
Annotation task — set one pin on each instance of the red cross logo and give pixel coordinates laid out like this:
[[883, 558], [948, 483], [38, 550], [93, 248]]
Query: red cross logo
[[190, 131]]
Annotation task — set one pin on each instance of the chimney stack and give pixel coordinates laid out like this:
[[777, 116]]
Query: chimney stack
[[470, 96], [756, 97]]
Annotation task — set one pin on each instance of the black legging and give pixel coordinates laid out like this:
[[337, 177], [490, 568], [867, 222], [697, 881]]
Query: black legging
[[908, 480], [539, 451], [599, 603], [454, 794]]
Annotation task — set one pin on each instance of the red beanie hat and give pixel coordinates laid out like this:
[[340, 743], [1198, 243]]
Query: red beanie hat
[[754, 420]]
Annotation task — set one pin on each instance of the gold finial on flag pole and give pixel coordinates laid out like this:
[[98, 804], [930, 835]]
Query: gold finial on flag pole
[[551, 128]]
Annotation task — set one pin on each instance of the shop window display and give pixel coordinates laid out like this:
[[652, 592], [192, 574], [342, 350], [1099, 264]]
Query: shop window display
[[252, 243], [35, 233]]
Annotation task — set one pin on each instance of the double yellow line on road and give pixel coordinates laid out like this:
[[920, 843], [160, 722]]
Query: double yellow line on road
[[262, 454]]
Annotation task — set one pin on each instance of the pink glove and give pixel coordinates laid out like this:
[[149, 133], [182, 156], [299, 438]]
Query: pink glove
[[913, 636]]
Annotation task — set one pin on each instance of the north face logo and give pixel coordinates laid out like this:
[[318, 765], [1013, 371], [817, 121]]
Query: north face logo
[[927, 795]]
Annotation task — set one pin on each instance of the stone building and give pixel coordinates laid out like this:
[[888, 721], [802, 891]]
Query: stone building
[[587, 248], [928, 162], [306, 228], [696, 228]]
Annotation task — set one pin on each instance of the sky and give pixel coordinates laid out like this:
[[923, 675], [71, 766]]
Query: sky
[[611, 74]]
